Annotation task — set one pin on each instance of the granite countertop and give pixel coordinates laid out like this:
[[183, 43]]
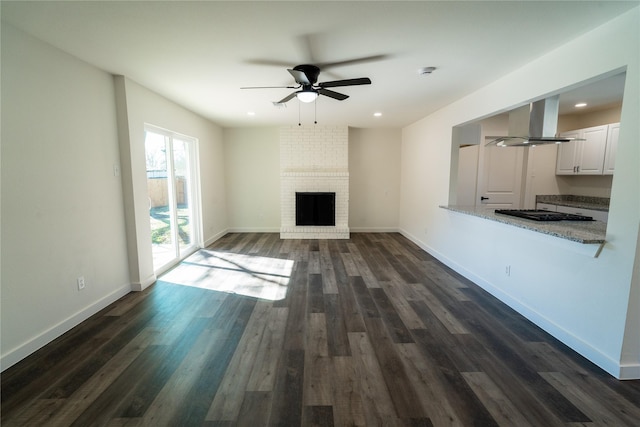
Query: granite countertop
[[577, 231], [580, 202]]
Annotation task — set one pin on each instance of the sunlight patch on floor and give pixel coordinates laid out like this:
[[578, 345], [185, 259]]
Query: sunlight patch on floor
[[249, 275]]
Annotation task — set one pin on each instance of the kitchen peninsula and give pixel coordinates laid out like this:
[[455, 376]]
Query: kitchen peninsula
[[588, 232]]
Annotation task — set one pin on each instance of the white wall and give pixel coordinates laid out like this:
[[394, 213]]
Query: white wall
[[374, 179], [137, 106], [582, 300], [567, 122], [62, 208], [252, 162], [467, 175]]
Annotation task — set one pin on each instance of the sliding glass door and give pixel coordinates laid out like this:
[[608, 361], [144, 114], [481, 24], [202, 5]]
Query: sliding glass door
[[172, 200]]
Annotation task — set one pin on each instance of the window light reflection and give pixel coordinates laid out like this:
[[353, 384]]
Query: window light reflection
[[248, 275]]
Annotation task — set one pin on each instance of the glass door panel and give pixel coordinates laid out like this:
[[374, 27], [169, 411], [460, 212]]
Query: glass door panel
[[184, 214], [159, 193]]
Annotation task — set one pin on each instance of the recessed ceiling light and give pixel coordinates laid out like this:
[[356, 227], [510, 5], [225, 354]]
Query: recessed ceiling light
[[251, 113], [378, 114], [581, 104]]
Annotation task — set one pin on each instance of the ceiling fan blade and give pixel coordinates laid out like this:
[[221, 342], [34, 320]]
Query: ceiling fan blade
[[346, 82], [306, 43], [371, 58], [270, 87], [299, 76], [287, 98], [332, 94]]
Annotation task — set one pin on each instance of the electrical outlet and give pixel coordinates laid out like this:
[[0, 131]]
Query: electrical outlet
[[81, 283], [507, 271]]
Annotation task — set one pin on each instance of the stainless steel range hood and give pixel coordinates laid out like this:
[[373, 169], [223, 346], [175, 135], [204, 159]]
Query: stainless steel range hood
[[533, 124]]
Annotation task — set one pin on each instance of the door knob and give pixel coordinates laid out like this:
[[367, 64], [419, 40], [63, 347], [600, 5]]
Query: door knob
[[483, 198]]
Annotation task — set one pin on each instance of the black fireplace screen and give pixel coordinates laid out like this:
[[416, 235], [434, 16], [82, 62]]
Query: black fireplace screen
[[316, 209]]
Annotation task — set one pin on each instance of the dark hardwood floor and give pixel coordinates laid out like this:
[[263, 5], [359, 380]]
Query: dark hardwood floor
[[257, 331]]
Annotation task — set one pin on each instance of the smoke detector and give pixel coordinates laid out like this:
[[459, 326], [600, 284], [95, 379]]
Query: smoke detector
[[426, 70]]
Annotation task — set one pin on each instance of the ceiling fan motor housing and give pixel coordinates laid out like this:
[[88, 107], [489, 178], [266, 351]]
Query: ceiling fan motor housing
[[311, 71]]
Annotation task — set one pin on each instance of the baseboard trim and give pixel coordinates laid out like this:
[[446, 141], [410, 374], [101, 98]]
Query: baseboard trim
[[17, 354], [611, 366], [144, 284], [277, 230], [215, 237], [629, 371], [374, 229], [254, 230]]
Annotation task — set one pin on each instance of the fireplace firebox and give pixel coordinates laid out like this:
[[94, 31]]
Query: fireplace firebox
[[316, 209]]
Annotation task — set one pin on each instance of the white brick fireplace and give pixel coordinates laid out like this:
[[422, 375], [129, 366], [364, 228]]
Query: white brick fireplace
[[314, 159]]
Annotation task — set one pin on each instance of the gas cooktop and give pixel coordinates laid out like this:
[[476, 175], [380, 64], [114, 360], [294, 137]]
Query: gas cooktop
[[539, 215]]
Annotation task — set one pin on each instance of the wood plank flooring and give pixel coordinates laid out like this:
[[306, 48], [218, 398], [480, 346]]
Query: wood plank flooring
[[258, 331]]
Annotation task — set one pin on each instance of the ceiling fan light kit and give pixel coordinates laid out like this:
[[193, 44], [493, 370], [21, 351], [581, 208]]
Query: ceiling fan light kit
[[306, 95]]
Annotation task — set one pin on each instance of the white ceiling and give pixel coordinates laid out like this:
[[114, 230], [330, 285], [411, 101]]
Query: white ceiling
[[200, 54]]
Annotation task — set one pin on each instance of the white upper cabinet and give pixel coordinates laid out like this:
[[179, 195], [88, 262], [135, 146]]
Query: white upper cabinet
[[585, 156], [612, 147], [591, 159], [567, 153]]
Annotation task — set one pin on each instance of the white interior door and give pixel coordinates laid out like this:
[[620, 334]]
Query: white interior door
[[500, 177]]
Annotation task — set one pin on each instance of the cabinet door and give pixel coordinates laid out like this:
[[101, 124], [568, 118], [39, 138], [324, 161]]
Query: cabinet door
[[567, 153], [612, 147], [590, 159]]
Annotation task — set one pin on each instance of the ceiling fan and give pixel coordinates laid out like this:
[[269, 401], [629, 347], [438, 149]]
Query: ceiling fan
[[306, 76]]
